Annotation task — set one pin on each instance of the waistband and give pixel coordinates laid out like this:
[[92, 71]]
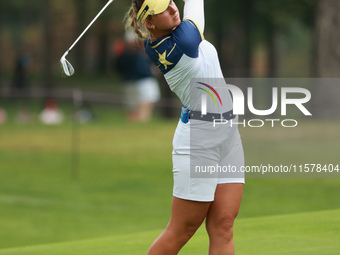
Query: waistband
[[187, 114], [197, 115]]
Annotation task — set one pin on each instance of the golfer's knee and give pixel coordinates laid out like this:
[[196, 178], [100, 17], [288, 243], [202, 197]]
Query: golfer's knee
[[221, 229], [185, 233]]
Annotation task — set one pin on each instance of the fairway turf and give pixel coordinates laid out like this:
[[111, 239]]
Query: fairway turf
[[124, 185], [302, 233]]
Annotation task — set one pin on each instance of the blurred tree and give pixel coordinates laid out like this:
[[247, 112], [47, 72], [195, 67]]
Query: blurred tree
[[18, 15], [47, 46], [247, 22], [81, 25], [103, 39], [274, 18], [326, 100], [226, 23], [328, 38], [238, 26]]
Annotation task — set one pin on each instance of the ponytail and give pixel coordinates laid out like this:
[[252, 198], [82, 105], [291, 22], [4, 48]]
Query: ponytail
[[133, 24]]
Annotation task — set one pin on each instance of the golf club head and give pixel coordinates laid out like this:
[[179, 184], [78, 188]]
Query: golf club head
[[67, 67]]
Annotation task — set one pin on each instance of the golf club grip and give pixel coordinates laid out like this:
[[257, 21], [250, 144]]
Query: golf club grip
[[95, 18]]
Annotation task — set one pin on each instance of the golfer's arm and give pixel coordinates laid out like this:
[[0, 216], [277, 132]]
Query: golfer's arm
[[194, 9]]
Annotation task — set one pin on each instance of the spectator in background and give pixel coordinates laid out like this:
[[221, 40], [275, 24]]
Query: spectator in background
[[22, 64], [51, 115], [140, 85]]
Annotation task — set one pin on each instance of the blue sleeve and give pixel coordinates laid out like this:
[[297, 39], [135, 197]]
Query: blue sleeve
[[166, 51], [188, 37]]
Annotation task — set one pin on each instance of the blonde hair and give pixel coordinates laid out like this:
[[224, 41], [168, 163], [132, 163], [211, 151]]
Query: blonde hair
[[131, 22]]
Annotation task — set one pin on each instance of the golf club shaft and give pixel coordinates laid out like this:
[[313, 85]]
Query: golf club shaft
[[95, 18]]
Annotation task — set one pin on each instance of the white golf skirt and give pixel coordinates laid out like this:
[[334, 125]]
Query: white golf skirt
[[203, 157]]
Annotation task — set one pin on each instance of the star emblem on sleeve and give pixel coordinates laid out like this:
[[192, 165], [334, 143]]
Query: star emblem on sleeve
[[163, 61]]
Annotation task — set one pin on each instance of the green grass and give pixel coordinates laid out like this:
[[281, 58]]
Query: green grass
[[301, 233], [124, 187]]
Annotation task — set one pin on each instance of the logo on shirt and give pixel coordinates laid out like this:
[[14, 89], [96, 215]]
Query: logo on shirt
[[162, 59]]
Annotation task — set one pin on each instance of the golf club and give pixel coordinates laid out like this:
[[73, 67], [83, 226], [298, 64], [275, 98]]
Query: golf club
[[65, 64]]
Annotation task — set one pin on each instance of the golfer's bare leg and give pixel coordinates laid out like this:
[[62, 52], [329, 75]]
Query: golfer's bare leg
[[186, 218], [220, 218]]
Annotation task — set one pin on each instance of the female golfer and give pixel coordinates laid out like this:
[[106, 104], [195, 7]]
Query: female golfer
[[202, 147]]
